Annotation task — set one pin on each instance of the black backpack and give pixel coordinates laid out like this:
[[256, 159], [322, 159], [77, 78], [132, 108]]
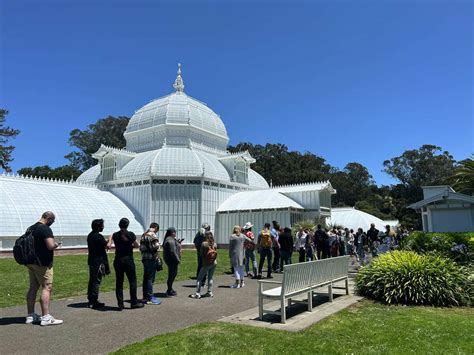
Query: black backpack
[[24, 249]]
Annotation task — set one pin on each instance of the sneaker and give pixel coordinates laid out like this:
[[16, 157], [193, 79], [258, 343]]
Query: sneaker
[[195, 295], [32, 318], [235, 286], [137, 305], [121, 307], [154, 301], [49, 320], [208, 294], [242, 285]]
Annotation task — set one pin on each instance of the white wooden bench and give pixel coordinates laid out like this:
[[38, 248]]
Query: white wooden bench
[[304, 278]]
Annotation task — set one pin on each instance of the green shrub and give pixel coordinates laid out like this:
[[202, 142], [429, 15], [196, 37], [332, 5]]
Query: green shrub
[[405, 277], [455, 246]]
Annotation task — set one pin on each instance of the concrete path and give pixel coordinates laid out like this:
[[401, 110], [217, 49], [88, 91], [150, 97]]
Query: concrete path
[[93, 331], [101, 331]]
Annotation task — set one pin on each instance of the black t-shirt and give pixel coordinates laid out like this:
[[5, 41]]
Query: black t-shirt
[[41, 232], [124, 243], [96, 245]]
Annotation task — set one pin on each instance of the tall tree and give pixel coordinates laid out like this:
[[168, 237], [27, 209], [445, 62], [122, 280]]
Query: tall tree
[[428, 165], [108, 131], [463, 178], [281, 166], [66, 172], [6, 133]]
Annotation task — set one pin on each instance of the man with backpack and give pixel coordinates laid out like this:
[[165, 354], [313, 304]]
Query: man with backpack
[[41, 272], [265, 242]]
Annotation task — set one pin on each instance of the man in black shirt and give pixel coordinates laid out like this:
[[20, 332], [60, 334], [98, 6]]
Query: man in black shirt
[[322, 243], [124, 242], [97, 261], [41, 273]]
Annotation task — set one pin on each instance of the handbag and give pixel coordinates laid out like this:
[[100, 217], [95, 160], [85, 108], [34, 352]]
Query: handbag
[[159, 264]]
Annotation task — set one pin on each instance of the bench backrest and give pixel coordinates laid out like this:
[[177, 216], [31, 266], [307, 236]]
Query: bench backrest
[[296, 277], [322, 271], [340, 267]]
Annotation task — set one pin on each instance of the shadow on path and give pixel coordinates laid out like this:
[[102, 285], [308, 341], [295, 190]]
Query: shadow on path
[[12, 320], [86, 305]]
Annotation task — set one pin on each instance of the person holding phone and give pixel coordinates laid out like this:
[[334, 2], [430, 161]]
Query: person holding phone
[[172, 257]]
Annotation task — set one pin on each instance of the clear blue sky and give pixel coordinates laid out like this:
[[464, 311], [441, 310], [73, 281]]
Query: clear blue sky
[[348, 80]]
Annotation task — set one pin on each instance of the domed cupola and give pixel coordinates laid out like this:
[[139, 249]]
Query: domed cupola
[[176, 120]]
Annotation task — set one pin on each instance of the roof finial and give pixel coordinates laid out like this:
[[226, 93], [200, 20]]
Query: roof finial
[[179, 83]]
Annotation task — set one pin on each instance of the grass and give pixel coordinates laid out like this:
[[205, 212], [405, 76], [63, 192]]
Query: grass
[[71, 275], [366, 328]]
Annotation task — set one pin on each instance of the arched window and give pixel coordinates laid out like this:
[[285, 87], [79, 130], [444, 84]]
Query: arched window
[[108, 167]]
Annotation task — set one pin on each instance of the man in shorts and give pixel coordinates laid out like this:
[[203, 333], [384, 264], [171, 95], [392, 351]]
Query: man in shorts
[[41, 273]]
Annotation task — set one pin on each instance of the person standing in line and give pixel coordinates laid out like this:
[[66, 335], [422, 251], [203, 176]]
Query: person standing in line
[[276, 246], [209, 261], [286, 247], [249, 246], [300, 244], [373, 240], [361, 245], [309, 247], [97, 261], [124, 264], [172, 256], [41, 273], [150, 247], [236, 254], [198, 240], [264, 242], [321, 239]]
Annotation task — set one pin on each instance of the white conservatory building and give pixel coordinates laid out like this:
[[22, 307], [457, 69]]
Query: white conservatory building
[[175, 170]]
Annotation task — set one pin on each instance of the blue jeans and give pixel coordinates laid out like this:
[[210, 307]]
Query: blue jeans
[[205, 271], [265, 253], [149, 273], [250, 255]]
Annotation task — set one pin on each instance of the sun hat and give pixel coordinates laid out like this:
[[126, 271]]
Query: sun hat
[[248, 225]]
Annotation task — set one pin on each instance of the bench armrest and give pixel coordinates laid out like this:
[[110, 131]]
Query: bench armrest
[[270, 282]]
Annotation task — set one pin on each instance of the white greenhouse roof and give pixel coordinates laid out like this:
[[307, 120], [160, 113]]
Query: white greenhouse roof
[[257, 180], [257, 200], [351, 218], [90, 175], [24, 200], [311, 186], [177, 108]]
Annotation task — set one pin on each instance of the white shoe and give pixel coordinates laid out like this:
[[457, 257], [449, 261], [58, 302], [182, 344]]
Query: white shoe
[[32, 318], [235, 286], [50, 321], [242, 285]]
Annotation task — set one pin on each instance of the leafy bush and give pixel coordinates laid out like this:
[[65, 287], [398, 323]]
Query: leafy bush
[[405, 277], [455, 246]]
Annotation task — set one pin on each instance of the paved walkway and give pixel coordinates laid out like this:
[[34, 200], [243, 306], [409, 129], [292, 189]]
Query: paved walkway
[[101, 331], [93, 331]]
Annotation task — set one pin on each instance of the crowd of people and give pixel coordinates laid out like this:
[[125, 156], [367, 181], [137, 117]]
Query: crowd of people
[[274, 245]]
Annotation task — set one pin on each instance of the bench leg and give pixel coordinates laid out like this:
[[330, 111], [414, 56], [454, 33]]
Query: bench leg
[[310, 301], [260, 306], [330, 292], [347, 286], [283, 310]]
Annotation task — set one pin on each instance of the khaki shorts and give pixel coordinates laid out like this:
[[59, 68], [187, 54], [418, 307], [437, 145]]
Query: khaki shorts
[[40, 275]]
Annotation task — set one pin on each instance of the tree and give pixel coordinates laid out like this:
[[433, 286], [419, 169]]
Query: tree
[[6, 133], [108, 131], [463, 178], [66, 172], [428, 165], [352, 184]]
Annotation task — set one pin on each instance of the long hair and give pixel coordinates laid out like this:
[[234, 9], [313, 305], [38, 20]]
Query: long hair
[[209, 238], [236, 230]]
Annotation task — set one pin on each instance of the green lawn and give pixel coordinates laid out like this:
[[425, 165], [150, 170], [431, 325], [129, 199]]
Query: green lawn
[[366, 328], [71, 275]]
